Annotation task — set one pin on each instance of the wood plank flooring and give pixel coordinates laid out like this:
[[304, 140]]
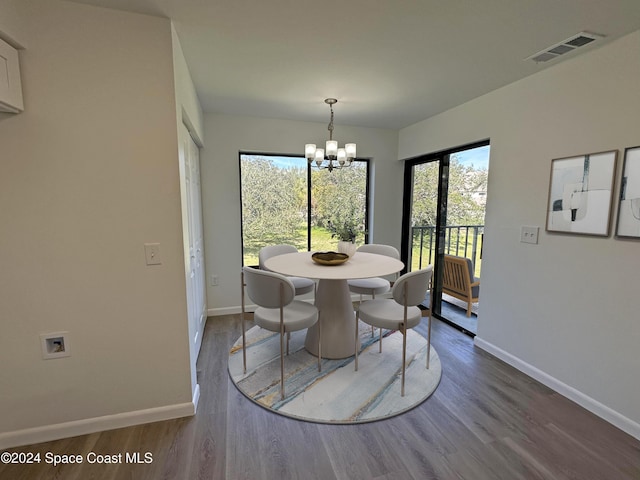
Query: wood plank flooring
[[486, 420]]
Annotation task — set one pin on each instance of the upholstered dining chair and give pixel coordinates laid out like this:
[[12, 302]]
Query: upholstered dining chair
[[277, 311], [301, 284], [401, 312], [376, 285]]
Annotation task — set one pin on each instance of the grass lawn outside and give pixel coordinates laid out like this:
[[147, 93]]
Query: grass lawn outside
[[321, 241]]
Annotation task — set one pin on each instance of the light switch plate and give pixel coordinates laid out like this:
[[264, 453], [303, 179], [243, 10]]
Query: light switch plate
[[529, 234], [152, 253]]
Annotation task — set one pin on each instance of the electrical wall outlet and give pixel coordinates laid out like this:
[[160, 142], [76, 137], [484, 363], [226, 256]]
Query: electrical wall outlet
[[55, 345], [529, 234]]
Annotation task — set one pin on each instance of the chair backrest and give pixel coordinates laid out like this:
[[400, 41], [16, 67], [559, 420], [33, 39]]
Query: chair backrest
[[457, 274], [416, 284], [272, 251], [380, 249], [264, 287]]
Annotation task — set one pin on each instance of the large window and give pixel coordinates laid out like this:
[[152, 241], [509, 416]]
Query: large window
[[285, 201]]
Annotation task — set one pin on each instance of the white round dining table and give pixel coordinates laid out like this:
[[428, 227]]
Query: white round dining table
[[333, 298]]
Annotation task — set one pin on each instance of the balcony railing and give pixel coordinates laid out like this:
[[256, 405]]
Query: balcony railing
[[461, 240]]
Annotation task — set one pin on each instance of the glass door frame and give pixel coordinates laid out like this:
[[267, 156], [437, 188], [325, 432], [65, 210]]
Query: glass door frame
[[443, 157]]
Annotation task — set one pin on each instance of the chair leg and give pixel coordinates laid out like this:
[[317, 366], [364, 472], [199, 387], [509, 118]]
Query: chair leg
[[356, 341], [281, 343], [244, 341], [288, 338], [244, 347], [281, 365], [319, 345], [373, 297], [429, 340], [404, 356], [380, 341], [403, 329], [469, 308]]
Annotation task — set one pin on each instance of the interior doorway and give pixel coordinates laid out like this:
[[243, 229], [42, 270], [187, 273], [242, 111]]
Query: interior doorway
[[193, 239], [444, 207]]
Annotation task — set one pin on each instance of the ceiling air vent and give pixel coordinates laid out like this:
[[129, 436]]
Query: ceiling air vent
[[569, 45]]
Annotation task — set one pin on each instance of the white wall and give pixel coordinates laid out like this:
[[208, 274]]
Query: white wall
[[89, 173], [188, 108], [227, 135], [563, 310]]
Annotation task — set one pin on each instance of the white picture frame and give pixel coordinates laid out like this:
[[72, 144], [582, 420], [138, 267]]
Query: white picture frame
[[581, 194], [628, 224]]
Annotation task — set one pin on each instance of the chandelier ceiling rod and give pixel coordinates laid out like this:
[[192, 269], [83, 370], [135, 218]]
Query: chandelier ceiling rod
[[331, 102]]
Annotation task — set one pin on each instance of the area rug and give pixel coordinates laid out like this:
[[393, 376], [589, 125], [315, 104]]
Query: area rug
[[338, 394]]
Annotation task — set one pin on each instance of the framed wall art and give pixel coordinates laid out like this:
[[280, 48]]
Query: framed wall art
[[629, 206], [580, 194]]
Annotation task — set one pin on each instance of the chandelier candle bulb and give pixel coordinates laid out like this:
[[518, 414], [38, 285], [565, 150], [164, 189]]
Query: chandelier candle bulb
[[332, 148], [342, 156], [350, 148], [310, 150]]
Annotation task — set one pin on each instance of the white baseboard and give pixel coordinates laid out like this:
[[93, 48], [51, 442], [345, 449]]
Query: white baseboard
[[48, 433], [196, 398], [623, 423], [215, 312]]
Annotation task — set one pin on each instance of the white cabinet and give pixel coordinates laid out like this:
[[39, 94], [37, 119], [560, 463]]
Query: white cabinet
[[10, 86]]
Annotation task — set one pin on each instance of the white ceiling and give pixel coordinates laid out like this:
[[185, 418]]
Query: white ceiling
[[390, 63]]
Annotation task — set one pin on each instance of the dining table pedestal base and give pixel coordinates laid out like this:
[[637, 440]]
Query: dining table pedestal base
[[337, 317]]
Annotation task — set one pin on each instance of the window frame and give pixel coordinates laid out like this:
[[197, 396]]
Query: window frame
[[366, 161]]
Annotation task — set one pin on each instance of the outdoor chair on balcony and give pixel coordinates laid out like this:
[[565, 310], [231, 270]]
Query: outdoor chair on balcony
[[458, 280]]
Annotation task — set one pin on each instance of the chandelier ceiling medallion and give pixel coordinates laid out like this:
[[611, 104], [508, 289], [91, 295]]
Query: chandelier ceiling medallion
[[330, 157]]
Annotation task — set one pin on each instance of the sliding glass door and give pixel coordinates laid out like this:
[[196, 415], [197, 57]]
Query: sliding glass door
[[444, 204]]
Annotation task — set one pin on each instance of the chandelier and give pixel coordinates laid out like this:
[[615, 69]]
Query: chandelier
[[332, 157]]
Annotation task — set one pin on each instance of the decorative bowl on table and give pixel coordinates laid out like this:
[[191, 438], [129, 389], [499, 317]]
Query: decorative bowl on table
[[329, 258]]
